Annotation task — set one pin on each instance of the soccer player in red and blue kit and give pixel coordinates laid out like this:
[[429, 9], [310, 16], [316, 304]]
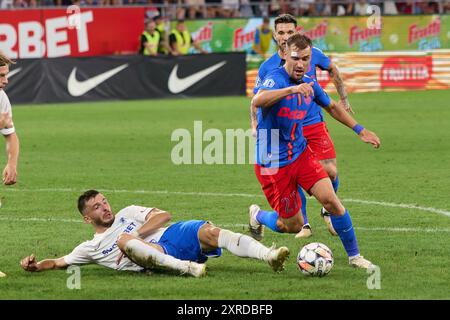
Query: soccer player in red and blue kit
[[285, 161], [314, 127]]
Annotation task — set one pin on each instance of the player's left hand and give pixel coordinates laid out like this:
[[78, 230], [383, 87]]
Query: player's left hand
[[370, 137], [9, 175]]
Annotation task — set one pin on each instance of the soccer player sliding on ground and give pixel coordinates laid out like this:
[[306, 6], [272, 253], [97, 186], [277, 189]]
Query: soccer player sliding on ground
[[135, 239]]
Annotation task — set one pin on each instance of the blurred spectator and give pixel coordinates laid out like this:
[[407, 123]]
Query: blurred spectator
[[196, 8], [323, 8], [151, 10], [446, 6], [88, 3], [150, 40], [432, 7], [20, 4], [405, 7], [212, 8], [360, 8], [163, 26], [33, 4], [263, 39], [390, 8], [306, 8], [6, 4], [230, 9], [245, 9], [279, 7], [180, 40]]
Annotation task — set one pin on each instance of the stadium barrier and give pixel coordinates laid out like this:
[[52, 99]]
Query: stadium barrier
[[126, 77], [387, 71], [49, 33]]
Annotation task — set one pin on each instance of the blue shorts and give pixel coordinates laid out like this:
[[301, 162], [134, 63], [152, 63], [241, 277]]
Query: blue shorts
[[180, 240]]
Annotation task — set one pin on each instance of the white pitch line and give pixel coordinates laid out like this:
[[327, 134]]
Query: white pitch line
[[400, 205], [236, 225], [428, 230], [246, 195]]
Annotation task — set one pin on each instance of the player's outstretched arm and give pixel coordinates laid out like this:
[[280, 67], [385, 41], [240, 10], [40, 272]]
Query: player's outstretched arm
[[338, 113], [335, 76], [29, 264], [267, 98]]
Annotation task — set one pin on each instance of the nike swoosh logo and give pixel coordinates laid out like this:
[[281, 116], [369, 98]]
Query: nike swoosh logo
[[78, 88], [14, 72], [177, 85]]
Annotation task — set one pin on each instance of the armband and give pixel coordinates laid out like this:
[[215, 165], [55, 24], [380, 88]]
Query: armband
[[358, 128]]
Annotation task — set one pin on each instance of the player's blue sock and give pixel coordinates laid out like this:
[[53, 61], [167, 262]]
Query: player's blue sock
[[303, 199], [344, 228], [335, 184], [269, 219]]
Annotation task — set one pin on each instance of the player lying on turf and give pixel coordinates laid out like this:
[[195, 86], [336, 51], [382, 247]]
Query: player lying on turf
[[135, 239]]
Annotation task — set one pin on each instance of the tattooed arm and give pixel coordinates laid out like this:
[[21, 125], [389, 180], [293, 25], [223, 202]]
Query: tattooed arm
[[340, 88]]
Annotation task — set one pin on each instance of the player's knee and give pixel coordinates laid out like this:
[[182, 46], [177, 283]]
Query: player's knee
[[293, 226], [209, 234], [331, 169], [333, 206], [123, 239]]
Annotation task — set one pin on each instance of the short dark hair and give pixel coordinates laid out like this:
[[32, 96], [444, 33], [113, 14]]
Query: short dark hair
[[85, 197], [285, 18], [299, 40]]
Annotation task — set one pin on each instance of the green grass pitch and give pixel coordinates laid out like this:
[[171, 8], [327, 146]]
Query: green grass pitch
[[123, 149]]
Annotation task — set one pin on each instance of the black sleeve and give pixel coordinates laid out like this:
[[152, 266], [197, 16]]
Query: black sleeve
[[172, 39], [143, 40]]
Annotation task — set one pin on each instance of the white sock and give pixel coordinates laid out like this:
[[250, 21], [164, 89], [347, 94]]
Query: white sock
[[242, 245], [148, 257]]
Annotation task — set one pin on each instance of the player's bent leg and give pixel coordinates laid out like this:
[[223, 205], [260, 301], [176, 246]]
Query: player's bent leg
[[306, 230], [2, 274], [242, 245], [323, 191], [292, 224], [151, 256], [330, 166], [341, 221]]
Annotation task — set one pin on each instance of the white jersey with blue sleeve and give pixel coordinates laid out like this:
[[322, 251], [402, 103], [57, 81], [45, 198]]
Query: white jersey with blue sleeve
[[103, 249]]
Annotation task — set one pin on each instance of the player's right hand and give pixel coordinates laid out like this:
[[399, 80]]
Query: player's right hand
[[305, 89], [9, 176], [29, 263], [370, 137]]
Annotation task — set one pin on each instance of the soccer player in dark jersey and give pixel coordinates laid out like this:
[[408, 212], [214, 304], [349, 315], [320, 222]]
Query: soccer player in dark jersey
[[285, 161]]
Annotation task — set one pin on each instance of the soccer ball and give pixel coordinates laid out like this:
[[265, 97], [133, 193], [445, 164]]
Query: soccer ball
[[315, 259]]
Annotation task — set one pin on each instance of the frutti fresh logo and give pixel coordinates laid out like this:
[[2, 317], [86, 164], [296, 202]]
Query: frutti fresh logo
[[204, 33], [317, 34], [368, 39], [427, 37]]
